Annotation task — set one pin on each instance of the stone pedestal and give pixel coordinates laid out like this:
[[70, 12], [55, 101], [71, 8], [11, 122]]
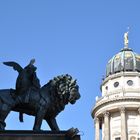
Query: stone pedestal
[[32, 135]]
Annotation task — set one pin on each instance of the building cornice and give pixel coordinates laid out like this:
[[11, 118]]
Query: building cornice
[[110, 101], [120, 92]]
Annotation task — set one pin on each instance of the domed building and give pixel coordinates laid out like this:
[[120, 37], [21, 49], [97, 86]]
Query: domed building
[[117, 112]]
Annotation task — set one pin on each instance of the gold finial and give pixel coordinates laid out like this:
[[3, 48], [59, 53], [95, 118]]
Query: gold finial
[[126, 41]]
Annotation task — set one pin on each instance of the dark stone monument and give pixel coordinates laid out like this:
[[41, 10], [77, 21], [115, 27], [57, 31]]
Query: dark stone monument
[[44, 102], [32, 135]]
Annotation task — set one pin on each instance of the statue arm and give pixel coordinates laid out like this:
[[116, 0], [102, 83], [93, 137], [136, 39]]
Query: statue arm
[[36, 81]]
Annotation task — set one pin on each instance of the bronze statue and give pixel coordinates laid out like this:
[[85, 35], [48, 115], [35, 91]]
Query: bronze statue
[[27, 80], [42, 102]]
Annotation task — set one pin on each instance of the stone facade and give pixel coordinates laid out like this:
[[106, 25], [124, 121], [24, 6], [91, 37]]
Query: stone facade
[[117, 112]]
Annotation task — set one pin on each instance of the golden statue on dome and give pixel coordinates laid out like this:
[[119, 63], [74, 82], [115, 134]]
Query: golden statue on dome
[[126, 41]]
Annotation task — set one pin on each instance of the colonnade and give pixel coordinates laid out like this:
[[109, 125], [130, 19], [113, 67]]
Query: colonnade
[[106, 117]]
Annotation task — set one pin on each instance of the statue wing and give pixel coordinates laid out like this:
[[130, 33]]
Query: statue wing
[[15, 65]]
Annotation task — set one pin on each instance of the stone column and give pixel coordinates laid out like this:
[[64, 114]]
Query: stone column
[[139, 120], [123, 124], [106, 126], [97, 129]]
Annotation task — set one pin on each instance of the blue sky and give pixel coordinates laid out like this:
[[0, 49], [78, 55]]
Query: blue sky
[[65, 36]]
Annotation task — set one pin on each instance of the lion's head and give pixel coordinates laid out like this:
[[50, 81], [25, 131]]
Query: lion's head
[[74, 92], [67, 88]]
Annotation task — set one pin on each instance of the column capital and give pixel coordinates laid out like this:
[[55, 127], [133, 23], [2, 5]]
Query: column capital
[[122, 109], [96, 119], [106, 114]]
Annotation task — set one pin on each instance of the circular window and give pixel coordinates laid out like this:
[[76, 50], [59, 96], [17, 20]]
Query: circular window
[[130, 82], [116, 84]]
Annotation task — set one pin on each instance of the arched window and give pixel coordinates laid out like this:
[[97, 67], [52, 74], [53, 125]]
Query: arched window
[[133, 138]]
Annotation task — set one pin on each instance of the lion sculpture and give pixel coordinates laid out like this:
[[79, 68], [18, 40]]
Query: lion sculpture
[[45, 104]]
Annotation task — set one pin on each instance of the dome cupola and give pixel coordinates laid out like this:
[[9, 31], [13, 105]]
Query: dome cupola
[[125, 60]]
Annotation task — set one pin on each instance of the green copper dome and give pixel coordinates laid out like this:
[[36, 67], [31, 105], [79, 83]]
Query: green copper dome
[[125, 60]]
